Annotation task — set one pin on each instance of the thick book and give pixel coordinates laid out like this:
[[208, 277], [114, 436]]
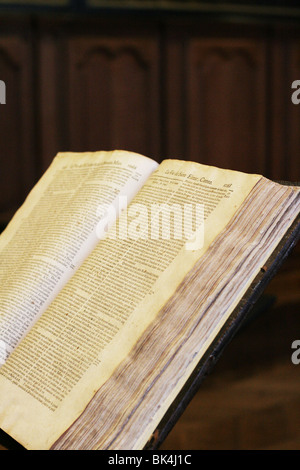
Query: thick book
[[118, 277]]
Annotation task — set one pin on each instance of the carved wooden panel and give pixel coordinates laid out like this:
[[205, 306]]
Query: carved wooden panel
[[52, 105], [114, 94], [226, 103], [292, 157], [284, 114], [17, 170]]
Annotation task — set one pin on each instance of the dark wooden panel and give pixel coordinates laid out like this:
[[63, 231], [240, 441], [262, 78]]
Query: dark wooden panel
[[114, 94], [175, 97], [293, 141], [51, 104], [226, 103], [284, 115], [17, 170]]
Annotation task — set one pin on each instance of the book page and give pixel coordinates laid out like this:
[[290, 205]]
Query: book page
[[182, 333], [113, 297], [56, 229]]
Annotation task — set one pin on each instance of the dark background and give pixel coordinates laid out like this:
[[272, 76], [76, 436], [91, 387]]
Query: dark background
[[203, 81], [209, 82]]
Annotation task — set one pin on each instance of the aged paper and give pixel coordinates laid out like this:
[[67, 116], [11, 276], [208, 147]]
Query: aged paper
[[97, 318], [55, 230]]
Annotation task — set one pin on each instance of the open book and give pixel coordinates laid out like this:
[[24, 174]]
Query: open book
[[116, 275]]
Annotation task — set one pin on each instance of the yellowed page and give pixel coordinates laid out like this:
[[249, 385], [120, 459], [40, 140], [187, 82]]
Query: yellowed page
[[97, 318], [233, 288], [56, 228], [172, 345]]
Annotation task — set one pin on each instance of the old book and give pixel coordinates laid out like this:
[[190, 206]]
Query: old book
[[117, 274]]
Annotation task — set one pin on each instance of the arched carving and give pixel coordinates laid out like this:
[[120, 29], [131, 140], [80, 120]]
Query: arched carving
[[227, 54], [111, 53], [114, 85], [226, 105]]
